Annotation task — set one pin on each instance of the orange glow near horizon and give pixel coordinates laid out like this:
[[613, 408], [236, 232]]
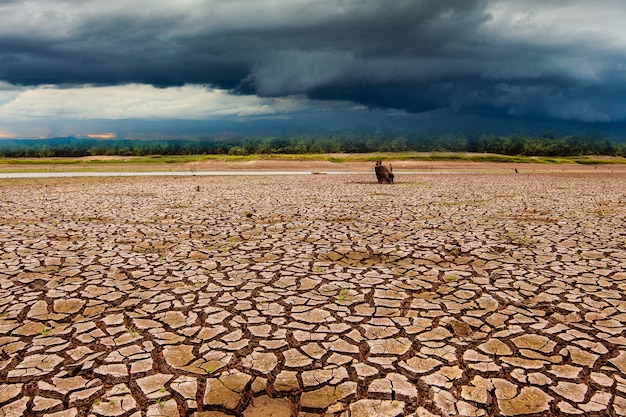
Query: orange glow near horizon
[[101, 135], [6, 135]]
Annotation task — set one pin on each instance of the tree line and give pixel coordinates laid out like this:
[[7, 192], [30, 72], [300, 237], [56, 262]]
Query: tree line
[[340, 142]]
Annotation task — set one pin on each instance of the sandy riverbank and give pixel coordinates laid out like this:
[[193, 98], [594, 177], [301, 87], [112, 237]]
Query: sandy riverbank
[[109, 164]]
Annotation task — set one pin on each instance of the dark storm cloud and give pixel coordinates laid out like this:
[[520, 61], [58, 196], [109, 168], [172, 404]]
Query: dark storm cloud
[[536, 59]]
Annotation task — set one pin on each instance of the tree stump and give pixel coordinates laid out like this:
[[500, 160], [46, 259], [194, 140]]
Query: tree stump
[[384, 174]]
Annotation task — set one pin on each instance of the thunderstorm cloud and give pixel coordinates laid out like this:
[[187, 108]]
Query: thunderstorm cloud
[[546, 59]]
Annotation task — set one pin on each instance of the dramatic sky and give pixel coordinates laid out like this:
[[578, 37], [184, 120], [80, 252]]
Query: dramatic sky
[[137, 66]]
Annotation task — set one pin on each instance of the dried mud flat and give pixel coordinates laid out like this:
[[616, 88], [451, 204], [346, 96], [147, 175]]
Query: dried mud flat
[[466, 294]]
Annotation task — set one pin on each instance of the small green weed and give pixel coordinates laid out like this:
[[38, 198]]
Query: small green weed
[[523, 240], [443, 289], [45, 331], [342, 294], [159, 402], [132, 331], [450, 278], [208, 368], [162, 389]]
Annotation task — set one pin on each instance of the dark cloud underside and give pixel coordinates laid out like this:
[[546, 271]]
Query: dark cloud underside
[[413, 55]]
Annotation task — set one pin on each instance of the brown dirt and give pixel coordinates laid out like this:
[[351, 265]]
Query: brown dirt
[[313, 166], [504, 284]]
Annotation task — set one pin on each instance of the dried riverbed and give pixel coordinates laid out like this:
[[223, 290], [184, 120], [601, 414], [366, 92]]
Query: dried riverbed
[[468, 294]]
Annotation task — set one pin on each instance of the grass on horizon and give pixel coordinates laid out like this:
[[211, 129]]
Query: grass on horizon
[[336, 158]]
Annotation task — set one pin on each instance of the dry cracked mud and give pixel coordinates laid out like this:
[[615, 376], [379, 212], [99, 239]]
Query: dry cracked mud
[[447, 295]]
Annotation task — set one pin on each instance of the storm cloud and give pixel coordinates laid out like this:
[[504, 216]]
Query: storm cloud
[[551, 59]]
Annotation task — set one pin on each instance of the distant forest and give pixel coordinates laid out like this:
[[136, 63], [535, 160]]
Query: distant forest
[[343, 142]]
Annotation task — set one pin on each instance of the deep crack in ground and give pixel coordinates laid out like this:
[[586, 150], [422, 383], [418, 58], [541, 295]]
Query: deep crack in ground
[[484, 294]]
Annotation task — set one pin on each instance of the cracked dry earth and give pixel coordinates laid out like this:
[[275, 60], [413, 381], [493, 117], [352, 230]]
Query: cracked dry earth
[[441, 295]]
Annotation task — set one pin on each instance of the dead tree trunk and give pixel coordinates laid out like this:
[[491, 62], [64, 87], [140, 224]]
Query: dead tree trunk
[[384, 174]]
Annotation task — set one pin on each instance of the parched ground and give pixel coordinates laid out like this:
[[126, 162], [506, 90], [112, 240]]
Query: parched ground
[[612, 165], [445, 295]]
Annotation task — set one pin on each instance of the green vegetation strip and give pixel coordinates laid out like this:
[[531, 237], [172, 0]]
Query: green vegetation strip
[[404, 156]]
